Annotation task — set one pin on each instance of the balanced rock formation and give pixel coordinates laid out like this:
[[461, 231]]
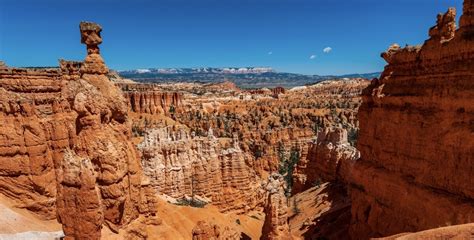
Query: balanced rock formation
[[180, 165], [275, 226], [65, 148], [417, 136], [205, 231], [329, 159]]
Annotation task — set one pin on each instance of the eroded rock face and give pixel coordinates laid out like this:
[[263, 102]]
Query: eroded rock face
[[36, 126], [417, 136], [146, 98], [205, 231], [266, 124], [464, 231], [329, 159], [65, 145], [180, 164], [275, 225], [90, 35]]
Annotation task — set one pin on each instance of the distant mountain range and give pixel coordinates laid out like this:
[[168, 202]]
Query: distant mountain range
[[231, 70], [245, 77]]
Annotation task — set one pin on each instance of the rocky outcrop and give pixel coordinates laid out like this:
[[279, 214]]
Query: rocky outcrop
[[205, 231], [329, 159], [148, 98], [465, 231], [65, 146], [180, 165], [154, 102], [265, 125], [417, 136], [275, 226], [277, 91]]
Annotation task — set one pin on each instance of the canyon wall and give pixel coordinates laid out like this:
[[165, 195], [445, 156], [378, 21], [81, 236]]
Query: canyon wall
[[181, 165], [417, 136], [329, 159], [267, 126], [65, 148], [147, 98]]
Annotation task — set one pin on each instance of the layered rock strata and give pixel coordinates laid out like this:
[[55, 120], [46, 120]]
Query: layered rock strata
[[65, 146], [181, 165], [267, 125], [417, 136], [275, 226], [329, 159], [147, 98]]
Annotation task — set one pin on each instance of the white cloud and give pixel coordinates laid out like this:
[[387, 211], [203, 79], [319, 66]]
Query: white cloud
[[327, 50], [270, 53], [312, 56]]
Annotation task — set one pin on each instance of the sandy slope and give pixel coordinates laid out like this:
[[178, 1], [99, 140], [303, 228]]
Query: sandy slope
[[18, 223], [179, 221]]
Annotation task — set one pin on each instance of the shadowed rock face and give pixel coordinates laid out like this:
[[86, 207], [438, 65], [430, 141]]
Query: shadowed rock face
[[417, 136], [330, 159], [65, 146], [464, 231], [276, 226]]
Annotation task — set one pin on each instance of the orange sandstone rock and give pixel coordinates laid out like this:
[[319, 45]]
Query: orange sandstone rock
[[461, 232], [65, 148], [275, 226], [330, 159], [180, 164], [205, 231], [416, 136]]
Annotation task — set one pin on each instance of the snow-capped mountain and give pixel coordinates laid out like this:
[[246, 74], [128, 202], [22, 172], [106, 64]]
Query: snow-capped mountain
[[227, 70]]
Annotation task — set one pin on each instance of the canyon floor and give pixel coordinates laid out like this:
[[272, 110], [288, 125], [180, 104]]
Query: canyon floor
[[87, 154]]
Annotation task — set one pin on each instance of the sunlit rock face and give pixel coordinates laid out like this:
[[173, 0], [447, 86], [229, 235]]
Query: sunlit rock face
[[180, 164], [417, 136], [204, 230], [65, 145]]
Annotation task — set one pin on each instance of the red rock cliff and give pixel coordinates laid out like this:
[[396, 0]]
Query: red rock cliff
[[329, 159], [417, 136], [65, 146], [180, 165], [146, 98], [275, 226]]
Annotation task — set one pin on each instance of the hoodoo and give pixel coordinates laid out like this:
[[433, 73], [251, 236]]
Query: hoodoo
[[417, 136], [65, 145], [275, 226]]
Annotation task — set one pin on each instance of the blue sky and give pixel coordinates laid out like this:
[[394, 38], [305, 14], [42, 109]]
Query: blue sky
[[288, 35]]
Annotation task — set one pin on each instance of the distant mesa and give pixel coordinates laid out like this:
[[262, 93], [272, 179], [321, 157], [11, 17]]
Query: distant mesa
[[244, 78]]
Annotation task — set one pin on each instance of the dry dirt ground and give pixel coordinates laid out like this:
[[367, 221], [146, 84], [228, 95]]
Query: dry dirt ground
[[21, 224]]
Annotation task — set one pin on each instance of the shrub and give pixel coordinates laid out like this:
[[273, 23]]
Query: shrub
[[295, 206], [352, 136], [192, 203]]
